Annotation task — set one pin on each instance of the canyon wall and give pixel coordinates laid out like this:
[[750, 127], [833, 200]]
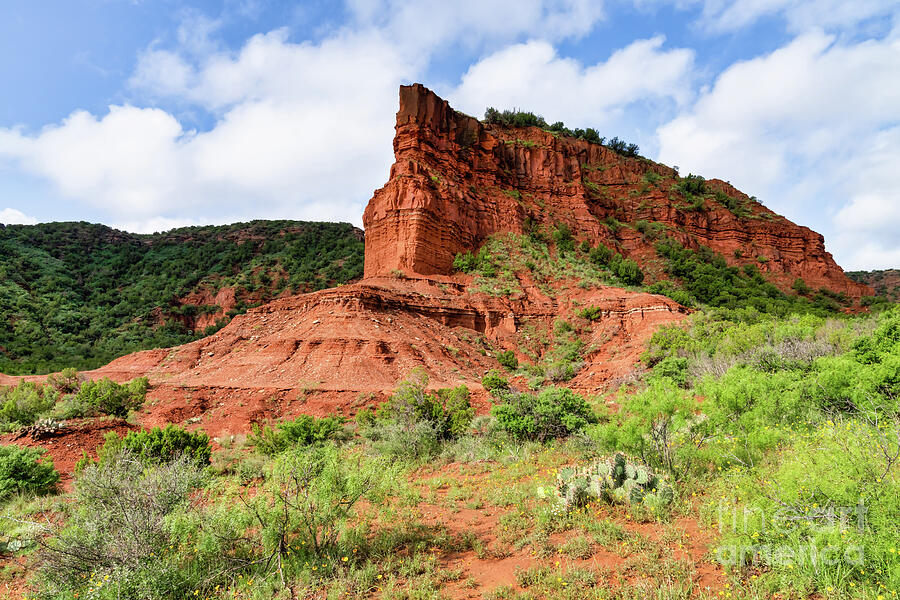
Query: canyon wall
[[455, 181]]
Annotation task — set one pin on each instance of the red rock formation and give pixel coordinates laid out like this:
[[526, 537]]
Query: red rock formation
[[338, 349], [456, 181]]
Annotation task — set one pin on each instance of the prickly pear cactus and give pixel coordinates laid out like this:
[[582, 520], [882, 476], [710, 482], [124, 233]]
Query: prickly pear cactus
[[45, 428], [613, 479]]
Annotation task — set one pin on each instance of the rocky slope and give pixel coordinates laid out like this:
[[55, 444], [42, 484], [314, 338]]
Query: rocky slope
[[457, 180], [340, 349], [885, 282]]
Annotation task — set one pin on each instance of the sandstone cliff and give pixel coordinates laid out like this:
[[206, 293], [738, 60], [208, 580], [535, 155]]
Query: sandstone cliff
[[456, 181]]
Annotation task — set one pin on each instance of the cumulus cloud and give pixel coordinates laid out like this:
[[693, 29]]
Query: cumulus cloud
[[429, 24], [302, 131], [808, 129], [11, 216], [533, 76], [725, 16]]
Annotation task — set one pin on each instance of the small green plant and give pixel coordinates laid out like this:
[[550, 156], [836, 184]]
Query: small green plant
[[413, 422], [152, 447], [163, 445], [800, 287], [562, 238], [25, 470], [494, 382], [104, 397], [590, 313], [554, 412], [508, 360], [23, 404], [613, 479], [302, 431]]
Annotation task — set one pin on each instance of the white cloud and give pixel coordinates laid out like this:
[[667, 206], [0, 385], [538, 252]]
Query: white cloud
[[11, 216], [533, 76], [430, 24], [126, 161], [304, 132], [721, 16], [161, 224], [804, 128]]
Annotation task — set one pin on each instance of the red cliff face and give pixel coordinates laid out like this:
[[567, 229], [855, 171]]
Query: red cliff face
[[456, 181]]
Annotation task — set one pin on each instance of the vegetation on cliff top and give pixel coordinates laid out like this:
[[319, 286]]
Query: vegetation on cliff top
[[519, 118], [77, 294]]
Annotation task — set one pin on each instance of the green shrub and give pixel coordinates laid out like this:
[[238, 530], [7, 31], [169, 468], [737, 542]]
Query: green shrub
[[628, 271], [659, 424], [66, 381], [105, 397], [162, 445], [414, 422], [302, 431], [23, 404], [672, 367], [465, 262], [833, 491], [552, 413], [601, 255], [590, 313], [562, 238], [692, 185], [621, 147], [118, 532], [25, 470], [309, 498], [508, 360], [494, 382]]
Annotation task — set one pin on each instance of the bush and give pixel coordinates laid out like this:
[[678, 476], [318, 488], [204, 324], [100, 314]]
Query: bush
[[513, 118], [465, 262], [629, 272], [552, 413], [660, 425], [163, 445], [118, 527], [309, 497], [105, 397], [305, 430], [508, 360], [833, 489], [413, 422], [23, 404], [494, 382], [601, 255], [590, 313], [66, 382], [25, 470], [562, 237], [621, 147], [692, 185]]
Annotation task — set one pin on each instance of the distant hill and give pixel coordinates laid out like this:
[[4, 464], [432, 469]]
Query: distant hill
[[885, 283], [80, 294]]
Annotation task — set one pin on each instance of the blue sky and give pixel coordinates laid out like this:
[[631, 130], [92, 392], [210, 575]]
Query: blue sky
[[151, 114]]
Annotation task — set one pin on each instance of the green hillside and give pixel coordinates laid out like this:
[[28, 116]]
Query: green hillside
[[80, 294]]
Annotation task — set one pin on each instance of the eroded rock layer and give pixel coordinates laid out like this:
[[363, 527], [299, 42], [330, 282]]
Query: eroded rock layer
[[456, 181]]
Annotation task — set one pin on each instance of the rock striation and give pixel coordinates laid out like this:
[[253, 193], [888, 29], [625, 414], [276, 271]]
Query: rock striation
[[455, 181]]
